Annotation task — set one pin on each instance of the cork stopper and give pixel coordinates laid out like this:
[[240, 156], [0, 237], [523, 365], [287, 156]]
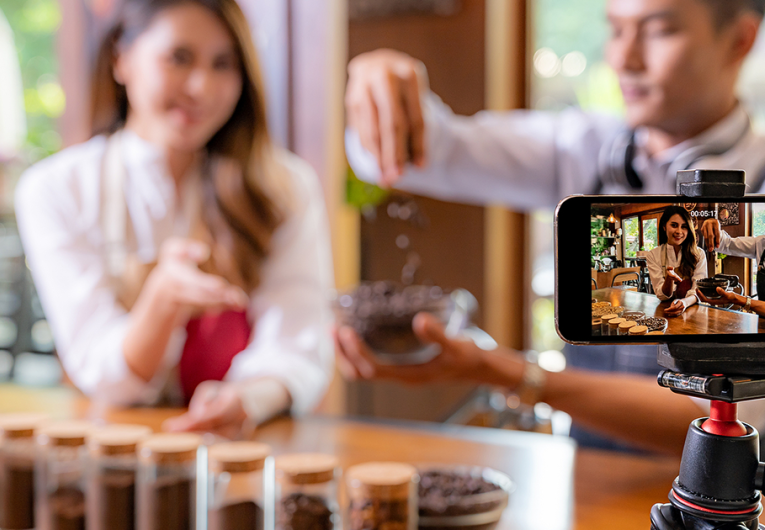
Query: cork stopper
[[307, 468], [238, 457], [625, 326], [614, 322], [170, 448], [118, 439], [381, 480], [65, 433], [639, 330], [20, 425], [610, 316]]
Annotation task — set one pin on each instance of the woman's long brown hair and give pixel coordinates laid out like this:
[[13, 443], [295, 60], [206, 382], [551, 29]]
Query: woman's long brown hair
[[239, 213], [689, 250]]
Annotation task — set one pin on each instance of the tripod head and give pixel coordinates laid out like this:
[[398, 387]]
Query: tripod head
[[720, 474]]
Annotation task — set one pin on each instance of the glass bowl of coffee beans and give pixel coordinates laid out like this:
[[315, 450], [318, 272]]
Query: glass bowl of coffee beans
[[382, 313]]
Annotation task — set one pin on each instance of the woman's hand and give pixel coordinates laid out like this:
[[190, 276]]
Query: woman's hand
[[459, 359], [726, 298], [215, 407], [172, 292], [382, 102], [676, 308], [178, 283], [672, 276]]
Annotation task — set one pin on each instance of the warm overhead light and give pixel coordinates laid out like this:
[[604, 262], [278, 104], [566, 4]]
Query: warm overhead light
[[611, 218]]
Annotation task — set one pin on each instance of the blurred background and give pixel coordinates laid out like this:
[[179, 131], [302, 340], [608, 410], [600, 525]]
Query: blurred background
[[480, 54]]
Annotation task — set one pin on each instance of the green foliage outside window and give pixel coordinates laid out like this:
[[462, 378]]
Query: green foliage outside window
[[650, 235], [34, 24]]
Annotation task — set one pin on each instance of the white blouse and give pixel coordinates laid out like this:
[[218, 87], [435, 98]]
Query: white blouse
[[59, 206], [663, 256]]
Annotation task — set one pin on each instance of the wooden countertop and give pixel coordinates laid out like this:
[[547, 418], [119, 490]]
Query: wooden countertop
[[697, 319], [557, 486]]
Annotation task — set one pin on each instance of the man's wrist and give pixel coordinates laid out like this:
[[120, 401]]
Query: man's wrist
[[533, 381]]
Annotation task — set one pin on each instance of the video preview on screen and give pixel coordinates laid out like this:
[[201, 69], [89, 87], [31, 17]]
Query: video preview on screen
[[653, 273]]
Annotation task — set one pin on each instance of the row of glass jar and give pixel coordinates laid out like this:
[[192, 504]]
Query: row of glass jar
[[71, 475]]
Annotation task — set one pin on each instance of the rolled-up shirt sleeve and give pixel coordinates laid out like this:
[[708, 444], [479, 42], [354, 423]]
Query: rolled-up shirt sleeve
[[61, 239], [522, 159], [742, 247], [292, 339]]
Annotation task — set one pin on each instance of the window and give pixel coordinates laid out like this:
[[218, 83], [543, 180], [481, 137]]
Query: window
[[631, 231], [758, 229], [650, 235]]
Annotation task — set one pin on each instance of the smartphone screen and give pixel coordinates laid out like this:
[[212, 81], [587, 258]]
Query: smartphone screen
[[638, 269]]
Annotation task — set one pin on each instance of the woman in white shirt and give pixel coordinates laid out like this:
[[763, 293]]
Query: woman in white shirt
[[179, 253], [677, 263]]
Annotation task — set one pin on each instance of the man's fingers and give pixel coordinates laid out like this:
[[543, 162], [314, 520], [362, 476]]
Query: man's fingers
[[429, 329], [393, 126], [362, 116], [346, 369], [352, 347], [411, 95]]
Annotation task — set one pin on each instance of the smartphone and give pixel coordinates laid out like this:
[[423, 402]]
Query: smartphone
[[624, 266]]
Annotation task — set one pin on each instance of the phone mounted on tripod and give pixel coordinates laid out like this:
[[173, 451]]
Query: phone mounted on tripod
[[720, 477]]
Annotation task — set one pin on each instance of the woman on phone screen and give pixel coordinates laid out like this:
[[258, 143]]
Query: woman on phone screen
[[178, 254], [677, 263]]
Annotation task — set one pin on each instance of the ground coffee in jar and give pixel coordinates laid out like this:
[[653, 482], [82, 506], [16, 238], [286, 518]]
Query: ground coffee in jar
[[166, 485], [307, 492], [62, 461], [112, 476], [17, 477], [382, 496], [238, 485]]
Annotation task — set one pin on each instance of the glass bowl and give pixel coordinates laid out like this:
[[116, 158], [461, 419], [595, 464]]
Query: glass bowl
[[381, 313], [708, 286], [452, 497]]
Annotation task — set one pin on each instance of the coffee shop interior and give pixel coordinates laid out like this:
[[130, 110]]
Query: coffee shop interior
[[485, 267], [623, 233]]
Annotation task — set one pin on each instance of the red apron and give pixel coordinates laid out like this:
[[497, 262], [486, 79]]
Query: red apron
[[212, 341], [682, 288]]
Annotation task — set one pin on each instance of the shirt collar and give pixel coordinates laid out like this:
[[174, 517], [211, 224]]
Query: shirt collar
[[722, 133]]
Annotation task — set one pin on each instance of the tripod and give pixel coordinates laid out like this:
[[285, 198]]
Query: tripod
[[720, 473]]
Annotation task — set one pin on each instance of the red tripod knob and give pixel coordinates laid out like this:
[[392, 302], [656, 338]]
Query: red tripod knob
[[723, 420]]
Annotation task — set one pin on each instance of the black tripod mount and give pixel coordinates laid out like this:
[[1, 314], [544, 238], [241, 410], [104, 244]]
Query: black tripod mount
[[721, 477]]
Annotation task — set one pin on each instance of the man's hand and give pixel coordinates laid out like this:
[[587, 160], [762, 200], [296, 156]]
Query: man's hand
[[711, 232], [726, 298], [382, 102], [459, 359], [215, 407]]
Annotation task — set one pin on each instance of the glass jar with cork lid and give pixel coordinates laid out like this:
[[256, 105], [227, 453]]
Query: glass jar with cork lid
[[382, 495], [61, 464], [236, 485], [17, 473], [166, 482], [110, 502], [613, 325], [306, 492]]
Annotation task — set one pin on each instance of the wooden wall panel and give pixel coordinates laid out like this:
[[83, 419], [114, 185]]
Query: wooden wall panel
[[451, 248]]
